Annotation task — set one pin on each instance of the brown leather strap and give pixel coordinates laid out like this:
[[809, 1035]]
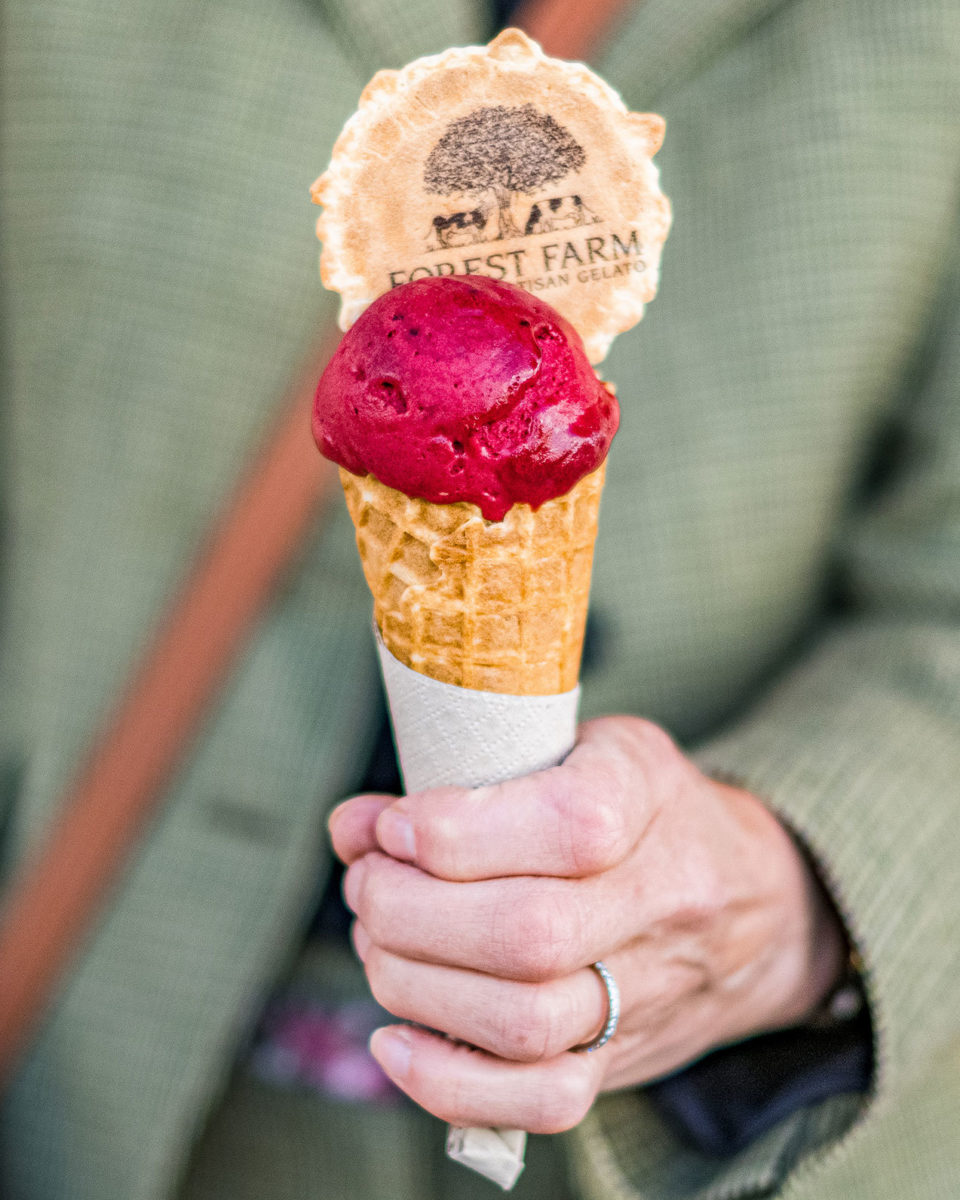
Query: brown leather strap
[[59, 891], [574, 29]]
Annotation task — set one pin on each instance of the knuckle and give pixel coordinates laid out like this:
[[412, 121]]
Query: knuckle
[[658, 748], [569, 1097], [655, 764], [545, 937], [438, 841], [445, 829], [703, 897], [534, 1029], [600, 832]]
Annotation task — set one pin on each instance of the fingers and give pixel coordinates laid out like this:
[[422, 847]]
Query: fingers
[[523, 1022], [467, 1087], [520, 928], [353, 824], [664, 994], [574, 820]]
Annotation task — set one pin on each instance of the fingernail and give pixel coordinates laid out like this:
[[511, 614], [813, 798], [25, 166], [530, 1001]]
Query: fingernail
[[392, 1049], [395, 835]]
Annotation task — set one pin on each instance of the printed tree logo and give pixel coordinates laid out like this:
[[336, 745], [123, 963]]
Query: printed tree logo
[[502, 151]]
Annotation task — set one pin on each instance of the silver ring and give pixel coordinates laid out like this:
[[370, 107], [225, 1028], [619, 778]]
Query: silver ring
[[613, 1012]]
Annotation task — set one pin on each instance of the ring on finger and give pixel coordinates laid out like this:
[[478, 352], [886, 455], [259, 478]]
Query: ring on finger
[[613, 1011]]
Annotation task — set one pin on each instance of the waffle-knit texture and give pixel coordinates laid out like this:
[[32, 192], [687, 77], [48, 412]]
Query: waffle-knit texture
[[498, 606]]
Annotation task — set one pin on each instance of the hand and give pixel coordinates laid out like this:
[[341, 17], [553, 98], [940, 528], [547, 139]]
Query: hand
[[479, 912]]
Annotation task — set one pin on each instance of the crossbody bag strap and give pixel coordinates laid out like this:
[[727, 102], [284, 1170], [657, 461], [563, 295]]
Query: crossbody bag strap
[[58, 892]]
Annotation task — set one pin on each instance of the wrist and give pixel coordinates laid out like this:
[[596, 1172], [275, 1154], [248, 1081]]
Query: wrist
[[808, 952], [824, 951], [830, 950]]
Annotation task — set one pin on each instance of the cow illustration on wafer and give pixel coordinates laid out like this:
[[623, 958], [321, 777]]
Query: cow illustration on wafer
[[559, 212], [459, 229]]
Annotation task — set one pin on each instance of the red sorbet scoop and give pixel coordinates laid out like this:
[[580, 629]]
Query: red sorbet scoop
[[465, 388]]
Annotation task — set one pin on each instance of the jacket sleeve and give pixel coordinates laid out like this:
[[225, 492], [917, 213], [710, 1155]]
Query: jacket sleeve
[[857, 748]]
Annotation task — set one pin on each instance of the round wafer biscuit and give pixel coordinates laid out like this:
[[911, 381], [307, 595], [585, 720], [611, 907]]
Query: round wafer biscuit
[[497, 160]]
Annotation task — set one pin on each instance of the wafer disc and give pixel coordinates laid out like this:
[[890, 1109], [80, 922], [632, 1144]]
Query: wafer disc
[[497, 160]]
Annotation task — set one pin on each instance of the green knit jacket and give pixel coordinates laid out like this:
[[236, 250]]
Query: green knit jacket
[[777, 576]]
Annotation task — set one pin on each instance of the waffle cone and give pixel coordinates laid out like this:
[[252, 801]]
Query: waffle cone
[[497, 606]]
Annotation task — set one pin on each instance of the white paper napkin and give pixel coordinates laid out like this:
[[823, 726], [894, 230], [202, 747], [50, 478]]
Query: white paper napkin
[[450, 735]]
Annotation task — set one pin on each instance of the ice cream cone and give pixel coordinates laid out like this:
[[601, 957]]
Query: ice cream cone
[[465, 183], [496, 606]]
